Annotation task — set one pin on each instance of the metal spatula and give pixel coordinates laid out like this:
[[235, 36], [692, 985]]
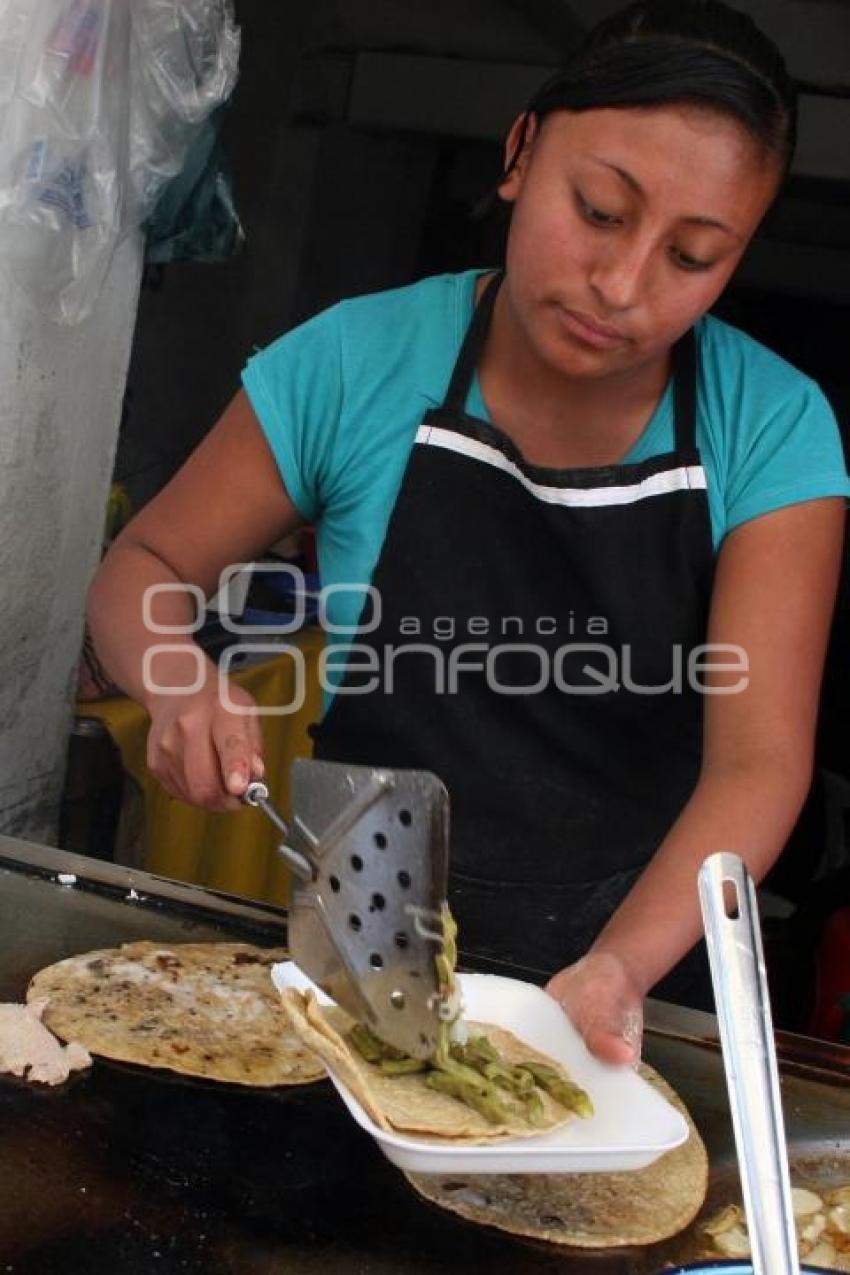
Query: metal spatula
[[730, 914], [369, 849]]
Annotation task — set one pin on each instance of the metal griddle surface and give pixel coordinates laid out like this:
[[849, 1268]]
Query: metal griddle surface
[[126, 1171]]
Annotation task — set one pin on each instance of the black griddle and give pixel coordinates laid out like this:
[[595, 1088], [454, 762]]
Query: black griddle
[[128, 1171]]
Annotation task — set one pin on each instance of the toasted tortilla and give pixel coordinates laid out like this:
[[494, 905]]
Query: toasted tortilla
[[585, 1210], [405, 1103], [201, 1009]]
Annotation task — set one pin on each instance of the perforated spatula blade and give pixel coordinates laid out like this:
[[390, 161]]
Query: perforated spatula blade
[[365, 921]]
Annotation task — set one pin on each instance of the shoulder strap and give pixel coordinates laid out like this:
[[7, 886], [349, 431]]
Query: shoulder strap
[[685, 391], [470, 350]]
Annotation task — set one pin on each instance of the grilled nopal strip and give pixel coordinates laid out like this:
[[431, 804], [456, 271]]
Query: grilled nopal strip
[[476, 1075], [484, 1101], [473, 1071], [390, 1061], [569, 1095]]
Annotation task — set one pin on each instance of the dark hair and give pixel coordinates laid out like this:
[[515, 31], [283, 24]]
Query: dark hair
[[683, 51]]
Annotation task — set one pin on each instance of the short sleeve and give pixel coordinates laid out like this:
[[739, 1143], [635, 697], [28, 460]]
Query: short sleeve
[[792, 452], [295, 387]]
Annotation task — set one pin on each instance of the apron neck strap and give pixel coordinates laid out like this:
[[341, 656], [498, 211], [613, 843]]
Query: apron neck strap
[[684, 369], [473, 342], [685, 391]]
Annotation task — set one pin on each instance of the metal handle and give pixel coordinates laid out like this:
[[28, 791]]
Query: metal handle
[[749, 1056], [257, 795]]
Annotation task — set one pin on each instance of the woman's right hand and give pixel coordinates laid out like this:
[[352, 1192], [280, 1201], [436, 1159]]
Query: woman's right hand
[[201, 751], [224, 506]]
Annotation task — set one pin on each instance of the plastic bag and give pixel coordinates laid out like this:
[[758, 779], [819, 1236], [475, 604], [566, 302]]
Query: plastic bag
[[195, 218], [63, 177], [184, 65], [100, 101]]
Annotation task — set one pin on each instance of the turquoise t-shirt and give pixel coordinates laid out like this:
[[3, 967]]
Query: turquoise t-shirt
[[340, 399]]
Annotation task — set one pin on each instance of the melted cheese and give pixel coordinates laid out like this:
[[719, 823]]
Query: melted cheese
[[28, 1049]]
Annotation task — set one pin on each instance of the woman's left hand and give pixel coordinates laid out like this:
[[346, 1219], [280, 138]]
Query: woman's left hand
[[604, 1003]]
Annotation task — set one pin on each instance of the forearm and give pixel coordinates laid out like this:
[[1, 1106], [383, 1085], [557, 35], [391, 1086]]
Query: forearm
[[748, 808], [121, 635]]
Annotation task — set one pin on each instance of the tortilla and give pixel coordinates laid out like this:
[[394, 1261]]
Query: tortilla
[[585, 1210], [405, 1103], [201, 1009]]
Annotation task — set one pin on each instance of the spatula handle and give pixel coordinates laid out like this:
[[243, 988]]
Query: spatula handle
[[257, 795], [730, 915]]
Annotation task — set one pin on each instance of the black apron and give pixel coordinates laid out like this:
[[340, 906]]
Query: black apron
[[528, 618]]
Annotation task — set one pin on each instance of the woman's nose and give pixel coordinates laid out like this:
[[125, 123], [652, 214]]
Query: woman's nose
[[618, 274]]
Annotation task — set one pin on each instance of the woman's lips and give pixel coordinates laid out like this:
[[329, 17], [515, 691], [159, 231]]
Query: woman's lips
[[587, 330]]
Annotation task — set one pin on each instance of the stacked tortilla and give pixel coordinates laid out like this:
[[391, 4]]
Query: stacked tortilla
[[585, 1210], [405, 1103], [210, 1010]]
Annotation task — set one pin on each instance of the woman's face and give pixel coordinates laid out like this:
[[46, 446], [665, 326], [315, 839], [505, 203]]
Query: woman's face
[[626, 227]]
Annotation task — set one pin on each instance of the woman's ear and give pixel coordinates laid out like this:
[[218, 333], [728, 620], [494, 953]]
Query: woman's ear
[[518, 146]]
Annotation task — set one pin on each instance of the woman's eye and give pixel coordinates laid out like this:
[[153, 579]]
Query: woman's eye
[[596, 216], [686, 262]]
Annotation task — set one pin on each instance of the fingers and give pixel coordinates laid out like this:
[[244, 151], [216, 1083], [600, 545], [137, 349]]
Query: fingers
[[609, 1046], [205, 754], [610, 1031], [608, 1013], [633, 1031], [239, 743], [559, 985], [203, 774], [235, 754]]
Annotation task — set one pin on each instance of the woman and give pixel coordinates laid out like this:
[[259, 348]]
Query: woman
[[602, 529]]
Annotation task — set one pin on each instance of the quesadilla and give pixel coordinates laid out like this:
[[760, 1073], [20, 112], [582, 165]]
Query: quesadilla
[[201, 1009], [448, 1100], [584, 1210]]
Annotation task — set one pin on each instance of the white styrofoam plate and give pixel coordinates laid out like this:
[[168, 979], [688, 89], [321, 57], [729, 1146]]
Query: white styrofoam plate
[[632, 1124]]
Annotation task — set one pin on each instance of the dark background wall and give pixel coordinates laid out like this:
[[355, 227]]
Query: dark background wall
[[329, 210]]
